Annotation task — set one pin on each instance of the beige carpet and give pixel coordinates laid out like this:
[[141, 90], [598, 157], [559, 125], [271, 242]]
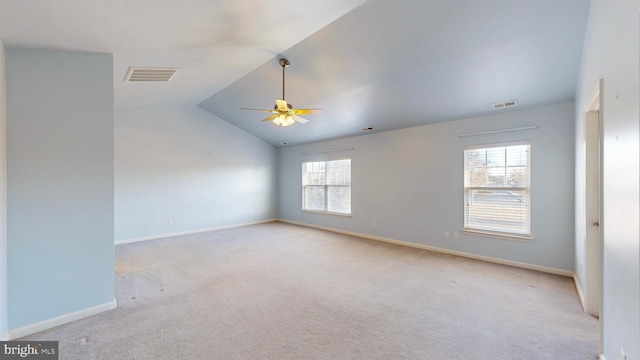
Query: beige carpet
[[279, 291]]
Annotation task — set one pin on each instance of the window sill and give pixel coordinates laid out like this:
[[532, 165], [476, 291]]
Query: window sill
[[497, 235], [326, 213]]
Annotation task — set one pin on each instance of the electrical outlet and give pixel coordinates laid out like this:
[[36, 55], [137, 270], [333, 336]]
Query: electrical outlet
[[170, 221], [373, 224], [446, 234], [455, 236]]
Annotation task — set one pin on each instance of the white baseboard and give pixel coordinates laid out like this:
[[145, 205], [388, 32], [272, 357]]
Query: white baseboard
[[60, 320], [188, 232], [540, 268], [579, 290]]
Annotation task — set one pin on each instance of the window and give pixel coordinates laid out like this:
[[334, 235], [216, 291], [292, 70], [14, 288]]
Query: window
[[326, 186], [496, 189]]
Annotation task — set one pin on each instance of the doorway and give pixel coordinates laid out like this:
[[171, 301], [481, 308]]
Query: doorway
[[593, 254]]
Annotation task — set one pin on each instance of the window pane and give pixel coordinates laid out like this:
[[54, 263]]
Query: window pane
[[476, 177], [314, 198], [517, 176], [495, 177], [517, 155], [313, 173], [496, 156], [339, 199], [497, 210], [476, 158], [505, 166], [339, 172]]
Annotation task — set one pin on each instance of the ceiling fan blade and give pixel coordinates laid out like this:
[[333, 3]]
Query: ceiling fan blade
[[307, 111], [270, 117], [263, 110], [299, 119], [282, 105]]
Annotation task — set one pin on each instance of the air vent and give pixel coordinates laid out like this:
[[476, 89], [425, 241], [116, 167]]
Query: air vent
[[149, 74], [505, 104]]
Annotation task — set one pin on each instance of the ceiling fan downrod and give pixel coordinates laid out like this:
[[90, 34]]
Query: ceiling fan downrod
[[284, 63]]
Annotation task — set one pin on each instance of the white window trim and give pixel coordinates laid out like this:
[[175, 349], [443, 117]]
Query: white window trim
[[326, 192], [499, 234], [327, 213]]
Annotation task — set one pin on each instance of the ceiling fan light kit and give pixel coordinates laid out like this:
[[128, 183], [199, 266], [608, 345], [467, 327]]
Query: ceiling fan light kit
[[283, 114], [283, 120]]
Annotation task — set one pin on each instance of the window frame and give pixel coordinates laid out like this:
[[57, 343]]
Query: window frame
[[526, 190], [325, 188]]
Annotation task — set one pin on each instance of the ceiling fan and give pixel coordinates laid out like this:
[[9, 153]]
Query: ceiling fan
[[283, 114]]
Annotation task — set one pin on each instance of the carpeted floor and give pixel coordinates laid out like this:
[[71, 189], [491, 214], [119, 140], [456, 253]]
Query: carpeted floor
[[279, 291]]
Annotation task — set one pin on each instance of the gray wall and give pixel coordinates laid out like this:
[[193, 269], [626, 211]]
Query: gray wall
[[60, 183], [410, 182], [611, 53], [3, 198], [188, 167]]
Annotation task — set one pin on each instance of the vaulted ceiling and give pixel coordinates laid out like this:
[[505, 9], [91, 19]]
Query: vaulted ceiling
[[381, 63]]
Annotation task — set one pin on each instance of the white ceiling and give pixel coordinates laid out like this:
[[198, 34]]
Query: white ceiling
[[382, 63]]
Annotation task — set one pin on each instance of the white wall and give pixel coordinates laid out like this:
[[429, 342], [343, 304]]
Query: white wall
[[611, 53], [188, 167], [59, 184], [410, 182], [3, 198]]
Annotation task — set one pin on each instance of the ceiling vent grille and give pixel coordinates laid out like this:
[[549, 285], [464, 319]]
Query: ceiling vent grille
[[149, 74], [505, 104]]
